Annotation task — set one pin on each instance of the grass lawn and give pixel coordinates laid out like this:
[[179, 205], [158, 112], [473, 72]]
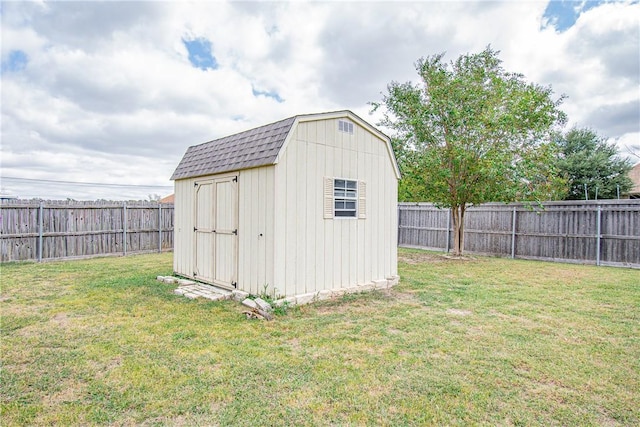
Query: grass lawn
[[459, 342]]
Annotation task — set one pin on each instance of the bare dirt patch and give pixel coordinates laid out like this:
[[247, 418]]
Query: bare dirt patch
[[429, 257], [405, 295], [69, 392], [419, 257], [61, 319], [458, 312]]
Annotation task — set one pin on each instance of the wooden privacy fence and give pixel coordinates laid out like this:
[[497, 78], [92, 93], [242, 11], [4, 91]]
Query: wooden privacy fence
[[33, 230], [601, 232]]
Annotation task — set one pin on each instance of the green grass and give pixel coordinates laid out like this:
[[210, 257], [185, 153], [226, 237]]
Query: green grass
[[459, 342]]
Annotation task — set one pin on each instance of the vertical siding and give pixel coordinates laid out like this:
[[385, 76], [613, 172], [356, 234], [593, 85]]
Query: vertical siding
[[290, 231], [256, 229], [279, 222], [393, 212], [183, 262], [312, 253]]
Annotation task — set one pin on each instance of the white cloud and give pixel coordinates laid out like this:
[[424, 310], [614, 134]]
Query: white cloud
[[109, 95]]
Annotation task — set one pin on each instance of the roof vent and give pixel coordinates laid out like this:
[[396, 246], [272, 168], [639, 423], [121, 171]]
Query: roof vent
[[345, 126]]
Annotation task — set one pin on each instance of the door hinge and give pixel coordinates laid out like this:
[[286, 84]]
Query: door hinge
[[195, 229], [195, 184], [234, 284], [235, 231], [235, 179], [194, 274]]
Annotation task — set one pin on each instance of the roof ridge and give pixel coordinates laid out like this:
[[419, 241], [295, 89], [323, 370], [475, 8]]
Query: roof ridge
[[246, 131], [258, 146], [275, 122]]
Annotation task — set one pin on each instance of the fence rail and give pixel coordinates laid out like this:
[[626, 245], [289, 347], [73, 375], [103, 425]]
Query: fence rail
[[34, 230], [602, 232]]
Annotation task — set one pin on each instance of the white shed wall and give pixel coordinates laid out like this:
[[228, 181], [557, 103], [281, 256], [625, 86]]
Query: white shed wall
[[255, 230], [183, 237], [312, 253], [255, 227]]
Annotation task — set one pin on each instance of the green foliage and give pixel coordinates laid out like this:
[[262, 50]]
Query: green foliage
[[471, 132], [279, 309], [586, 158]]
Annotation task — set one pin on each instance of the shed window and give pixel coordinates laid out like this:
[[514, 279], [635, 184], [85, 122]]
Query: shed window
[[345, 126], [344, 198], [345, 193]]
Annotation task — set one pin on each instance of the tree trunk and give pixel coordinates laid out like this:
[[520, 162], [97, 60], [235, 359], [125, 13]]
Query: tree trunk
[[458, 229], [463, 209]]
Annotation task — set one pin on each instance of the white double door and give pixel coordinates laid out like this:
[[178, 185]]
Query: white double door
[[216, 231]]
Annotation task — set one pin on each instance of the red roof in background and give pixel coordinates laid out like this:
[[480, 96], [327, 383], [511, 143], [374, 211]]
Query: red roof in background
[[169, 199], [634, 174]]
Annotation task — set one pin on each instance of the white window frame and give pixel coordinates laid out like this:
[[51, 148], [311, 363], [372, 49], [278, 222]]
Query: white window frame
[[346, 193]]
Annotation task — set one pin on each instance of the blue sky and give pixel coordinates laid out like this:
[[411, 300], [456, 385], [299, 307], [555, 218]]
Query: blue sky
[[16, 61], [202, 57], [563, 14], [200, 54], [114, 93]]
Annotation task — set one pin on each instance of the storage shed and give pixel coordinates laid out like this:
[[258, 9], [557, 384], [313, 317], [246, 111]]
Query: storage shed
[[302, 205]]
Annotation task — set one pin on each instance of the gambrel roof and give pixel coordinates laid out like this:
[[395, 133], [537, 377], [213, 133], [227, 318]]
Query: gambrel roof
[[255, 147]]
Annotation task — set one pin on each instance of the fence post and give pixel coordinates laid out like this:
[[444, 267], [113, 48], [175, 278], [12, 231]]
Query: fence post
[[160, 227], [448, 227], [40, 231], [513, 234], [124, 228], [598, 234]]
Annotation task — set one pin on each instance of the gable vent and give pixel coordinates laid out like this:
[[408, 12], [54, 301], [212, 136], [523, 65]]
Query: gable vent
[[345, 126]]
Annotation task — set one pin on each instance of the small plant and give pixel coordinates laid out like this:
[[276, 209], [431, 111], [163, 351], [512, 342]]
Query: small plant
[[280, 308], [265, 294]]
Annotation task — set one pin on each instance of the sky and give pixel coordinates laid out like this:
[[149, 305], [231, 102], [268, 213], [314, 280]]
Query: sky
[[100, 100]]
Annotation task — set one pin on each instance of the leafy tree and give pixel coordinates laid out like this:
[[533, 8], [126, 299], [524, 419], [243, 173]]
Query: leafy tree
[[586, 158], [470, 133]]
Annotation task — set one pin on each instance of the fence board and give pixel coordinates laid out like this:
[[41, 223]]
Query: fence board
[[34, 230], [556, 231]]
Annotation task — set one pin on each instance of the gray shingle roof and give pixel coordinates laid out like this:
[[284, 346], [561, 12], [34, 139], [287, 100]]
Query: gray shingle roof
[[255, 147]]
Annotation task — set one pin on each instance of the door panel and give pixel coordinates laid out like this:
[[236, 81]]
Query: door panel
[[216, 231], [226, 232], [204, 237], [225, 206], [225, 266]]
